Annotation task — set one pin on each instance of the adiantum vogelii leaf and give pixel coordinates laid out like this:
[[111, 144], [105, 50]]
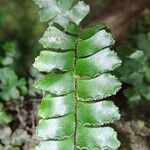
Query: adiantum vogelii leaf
[[56, 128], [100, 87], [78, 70], [97, 138], [56, 106], [78, 12], [57, 84], [90, 31], [98, 113], [50, 61], [102, 39], [56, 39], [101, 62]]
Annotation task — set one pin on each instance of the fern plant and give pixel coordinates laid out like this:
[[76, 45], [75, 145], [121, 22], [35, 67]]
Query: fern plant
[[135, 72], [76, 80], [11, 86]]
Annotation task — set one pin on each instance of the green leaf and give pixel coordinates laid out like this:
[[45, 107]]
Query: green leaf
[[7, 61], [98, 63], [22, 86], [69, 27], [57, 84], [49, 61], [135, 62], [4, 118], [90, 31], [56, 39], [135, 72], [140, 86], [97, 114], [139, 57], [61, 20], [135, 79], [97, 42], [48, 9], [73, 29], [56, 145], [78, 12], [65, 5], [101, 87], [10, 84], [97, 138], [56, 106], [56, 129], [75, 15], [61, 11]]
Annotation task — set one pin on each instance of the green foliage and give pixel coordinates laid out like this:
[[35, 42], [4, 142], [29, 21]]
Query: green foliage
[[135, 71], [76, 69], [4, 117], [11, 87], [8, 53]]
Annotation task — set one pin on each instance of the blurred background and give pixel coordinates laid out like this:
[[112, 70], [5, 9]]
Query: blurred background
[[20, 31]]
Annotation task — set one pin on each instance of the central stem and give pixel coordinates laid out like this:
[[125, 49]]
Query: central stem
[[75, 98], [75, 132]]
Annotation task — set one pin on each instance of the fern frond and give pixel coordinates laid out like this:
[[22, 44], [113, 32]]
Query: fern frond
[[78, 67]]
